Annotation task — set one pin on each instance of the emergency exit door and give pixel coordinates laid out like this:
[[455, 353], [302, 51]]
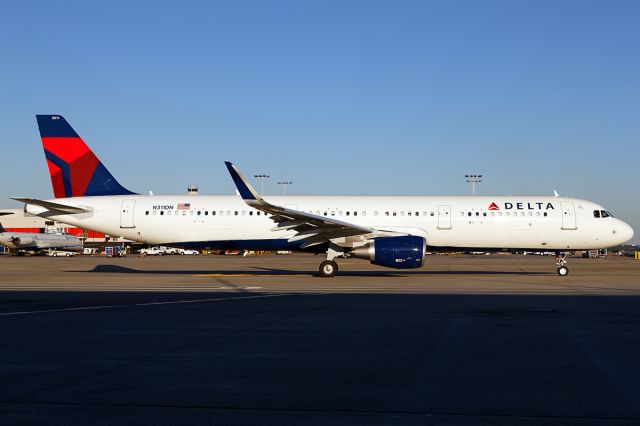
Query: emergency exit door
[[444, 217], [568, 215], [126, 213]]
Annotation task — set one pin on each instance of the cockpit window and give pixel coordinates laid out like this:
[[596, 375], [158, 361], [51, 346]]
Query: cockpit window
[[596, 214], [604, 213]]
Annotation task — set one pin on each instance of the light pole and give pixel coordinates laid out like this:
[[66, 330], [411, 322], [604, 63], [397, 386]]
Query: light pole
[[262, 177], [473, 179], [284, 186]]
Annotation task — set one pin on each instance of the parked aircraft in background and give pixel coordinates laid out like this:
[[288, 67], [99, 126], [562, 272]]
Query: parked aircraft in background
[[392, 231], [38, 241]]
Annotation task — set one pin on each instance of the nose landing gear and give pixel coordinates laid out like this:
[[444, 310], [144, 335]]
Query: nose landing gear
[[561, 262]]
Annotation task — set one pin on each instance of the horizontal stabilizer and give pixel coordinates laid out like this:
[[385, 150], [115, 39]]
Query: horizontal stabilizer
[[52, 206]]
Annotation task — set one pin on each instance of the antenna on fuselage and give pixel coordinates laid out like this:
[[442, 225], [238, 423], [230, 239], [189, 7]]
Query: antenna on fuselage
[[555, 193]]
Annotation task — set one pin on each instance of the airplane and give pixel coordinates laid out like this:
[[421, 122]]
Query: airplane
[[38, 241], [391, 231]]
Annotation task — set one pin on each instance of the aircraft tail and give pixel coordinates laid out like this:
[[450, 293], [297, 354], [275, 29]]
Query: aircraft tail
[[2, 229], [74, 169]]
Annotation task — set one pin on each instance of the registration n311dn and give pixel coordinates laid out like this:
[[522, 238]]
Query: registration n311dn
[[392, 231]]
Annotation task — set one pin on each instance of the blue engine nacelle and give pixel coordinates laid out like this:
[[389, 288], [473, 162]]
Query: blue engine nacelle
[[394, 252]]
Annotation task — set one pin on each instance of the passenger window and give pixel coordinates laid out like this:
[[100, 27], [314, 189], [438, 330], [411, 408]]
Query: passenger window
[[493, 213], [417, 213], [386, 213], [530, 214], [477, 213], [408, 213], [191, 212], [206, 212], [348, 213], [199, 212], [228, 212], [213, 212], [355, 213], [147, 213], [499, 213], [545, 214], [244, 213], [432, 214], [235, 213], [484, 214], [161, 212], [394, 213], [375, 212], [537, 213], [469, 214], [401, 213], [251, 213], [364, 213]]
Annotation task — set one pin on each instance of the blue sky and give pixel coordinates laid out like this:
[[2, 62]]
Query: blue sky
[[342, 97]]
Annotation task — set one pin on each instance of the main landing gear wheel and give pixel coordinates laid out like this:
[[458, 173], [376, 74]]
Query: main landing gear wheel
[[328, 268], [563, 271]]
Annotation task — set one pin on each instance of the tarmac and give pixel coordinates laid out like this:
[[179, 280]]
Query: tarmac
[[263, 340]]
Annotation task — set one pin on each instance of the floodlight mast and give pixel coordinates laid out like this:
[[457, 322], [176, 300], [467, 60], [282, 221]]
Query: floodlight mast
[[262, 177], [284, 185], [473, 179]]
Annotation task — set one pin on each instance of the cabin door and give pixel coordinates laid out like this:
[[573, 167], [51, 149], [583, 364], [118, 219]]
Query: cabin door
[[444, 217], [568, 215], [126, 213]]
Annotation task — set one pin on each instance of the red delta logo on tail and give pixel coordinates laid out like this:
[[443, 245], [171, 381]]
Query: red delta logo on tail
[[494, 206], [74, 169]]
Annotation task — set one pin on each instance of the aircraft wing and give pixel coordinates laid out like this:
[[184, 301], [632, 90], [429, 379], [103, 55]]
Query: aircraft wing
[[311, 229], [62, 208]]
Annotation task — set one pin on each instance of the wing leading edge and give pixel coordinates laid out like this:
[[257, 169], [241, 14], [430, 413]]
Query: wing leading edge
[[311, 229]]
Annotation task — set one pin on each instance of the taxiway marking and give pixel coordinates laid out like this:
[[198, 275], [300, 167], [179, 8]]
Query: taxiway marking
[[172, 302]]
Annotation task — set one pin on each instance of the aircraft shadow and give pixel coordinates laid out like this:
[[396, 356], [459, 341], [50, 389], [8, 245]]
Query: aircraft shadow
[[258, 271]]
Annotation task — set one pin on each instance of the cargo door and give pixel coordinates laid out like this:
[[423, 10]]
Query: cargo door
[[444, 217], [568, 215], [126, 213]]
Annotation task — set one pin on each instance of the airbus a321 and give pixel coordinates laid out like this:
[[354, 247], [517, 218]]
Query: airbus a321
[[392, 231]]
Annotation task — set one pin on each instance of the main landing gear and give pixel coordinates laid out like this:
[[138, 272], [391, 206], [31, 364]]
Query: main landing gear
[[329, 267], [563, 271]]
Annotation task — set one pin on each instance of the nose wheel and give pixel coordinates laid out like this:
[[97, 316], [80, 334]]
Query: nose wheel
[[328, 268], [561, 261]]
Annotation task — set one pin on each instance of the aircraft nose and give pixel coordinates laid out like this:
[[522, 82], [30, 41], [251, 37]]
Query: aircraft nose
[[624, 232]]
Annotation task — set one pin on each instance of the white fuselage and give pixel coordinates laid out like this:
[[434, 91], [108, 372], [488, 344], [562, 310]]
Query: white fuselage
[[29, 240], [535, 222]]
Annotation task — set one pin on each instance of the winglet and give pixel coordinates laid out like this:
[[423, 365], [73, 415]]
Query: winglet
[[244, 188]]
